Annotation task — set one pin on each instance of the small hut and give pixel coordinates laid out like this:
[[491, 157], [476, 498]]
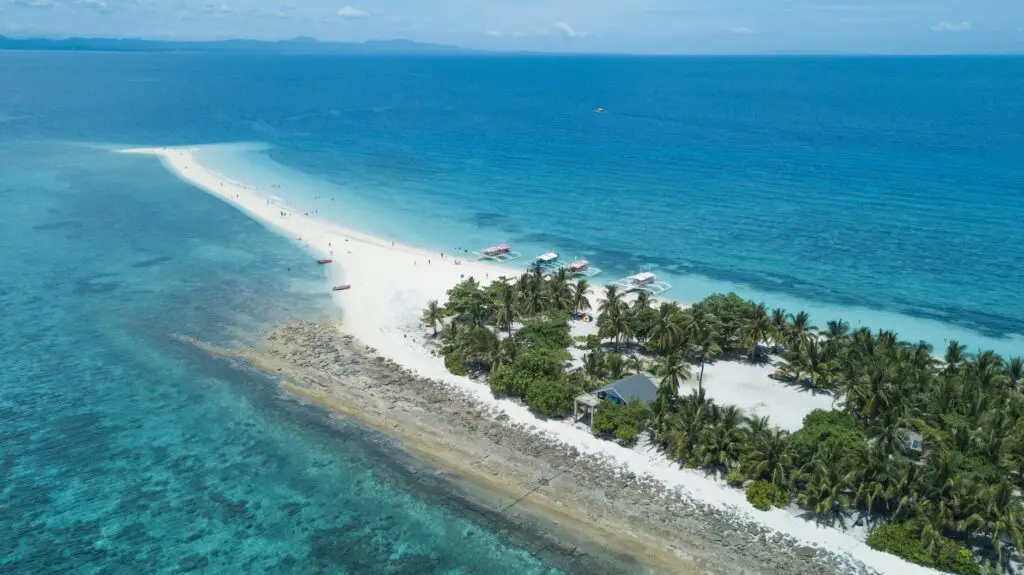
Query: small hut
[[624, 391]]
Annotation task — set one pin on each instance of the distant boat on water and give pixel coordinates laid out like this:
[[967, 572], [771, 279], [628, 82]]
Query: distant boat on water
[[600, 110]]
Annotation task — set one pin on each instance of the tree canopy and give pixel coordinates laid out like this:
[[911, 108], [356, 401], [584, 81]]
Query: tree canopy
[[928, 452]]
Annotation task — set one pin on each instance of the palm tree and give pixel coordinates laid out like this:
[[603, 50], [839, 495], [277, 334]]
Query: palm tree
[[612, 301], [623, 327], [757, 328], [780, 326], [481, 346], [507, 351], [770, 457], [686, 427], [671, 372], [451, 334], [720, 446], [869, 478], [942, 486], [643, 301], [667, 334], [757, 426], [594, 365], [799, 328], [562, 276], [706, 348], [507, 308], [874, 391], [580, 302], [615, 324], [533, 300], [1000, 512], [837, 330], [888, 432], [537, 275], [616, 366], [955, 356], [825, 485], [608, 324], [561, 295], [810, 361], [1014, 369], [635, 364], [432, 315]]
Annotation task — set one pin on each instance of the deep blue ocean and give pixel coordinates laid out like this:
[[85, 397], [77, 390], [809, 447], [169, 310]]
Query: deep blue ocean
[[888, 192], [885, 191]]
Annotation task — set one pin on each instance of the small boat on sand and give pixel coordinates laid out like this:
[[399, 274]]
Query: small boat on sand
[[322, 262], [342, 287]]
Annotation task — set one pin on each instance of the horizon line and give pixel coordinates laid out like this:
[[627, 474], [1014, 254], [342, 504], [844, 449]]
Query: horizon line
[[441, 49]]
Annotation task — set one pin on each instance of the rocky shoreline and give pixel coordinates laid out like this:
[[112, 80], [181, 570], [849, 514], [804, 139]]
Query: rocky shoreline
[[585, 502]]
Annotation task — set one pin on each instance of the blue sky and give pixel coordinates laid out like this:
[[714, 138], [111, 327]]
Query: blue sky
[[644, 26]]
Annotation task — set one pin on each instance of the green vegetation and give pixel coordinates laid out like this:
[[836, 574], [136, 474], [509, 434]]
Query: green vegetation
[[621, 421], [918, 542], [759, 494], [479, 336], [735, 477], [914, 443]]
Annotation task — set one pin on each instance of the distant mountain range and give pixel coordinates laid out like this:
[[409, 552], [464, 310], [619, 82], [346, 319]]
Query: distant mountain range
[[300, 45]]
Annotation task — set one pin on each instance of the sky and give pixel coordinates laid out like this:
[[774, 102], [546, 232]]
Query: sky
[[633, 26]]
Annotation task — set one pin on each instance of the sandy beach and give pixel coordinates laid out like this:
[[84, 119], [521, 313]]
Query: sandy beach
[[391, 283]]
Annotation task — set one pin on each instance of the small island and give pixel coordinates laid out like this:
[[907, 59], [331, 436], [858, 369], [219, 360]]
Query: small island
[[924, 455]]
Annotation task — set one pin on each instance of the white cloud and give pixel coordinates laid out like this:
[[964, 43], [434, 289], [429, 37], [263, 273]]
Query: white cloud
[[560, 29], [35, 3], [566, 29], [742, 30], [963, 26], [352, 13], [881, 7]]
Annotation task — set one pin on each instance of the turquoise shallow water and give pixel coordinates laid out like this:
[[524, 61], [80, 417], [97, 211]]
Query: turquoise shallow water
[[885, 191], [125, 451]]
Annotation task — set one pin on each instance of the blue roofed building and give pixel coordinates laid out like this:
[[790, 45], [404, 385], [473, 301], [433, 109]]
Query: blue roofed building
[[624, 391]]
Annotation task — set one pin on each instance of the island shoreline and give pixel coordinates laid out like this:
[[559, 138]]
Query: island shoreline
[[554, 490], [382, 310]]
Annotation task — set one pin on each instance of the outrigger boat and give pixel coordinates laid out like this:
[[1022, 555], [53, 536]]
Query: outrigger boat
[[322, 262], [583, 268], [643, 281], [547, 262], [342, 287], [498, 253]]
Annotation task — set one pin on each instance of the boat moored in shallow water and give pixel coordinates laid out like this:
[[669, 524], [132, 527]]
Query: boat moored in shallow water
[[498, 253], [342, 287], [643, 281]]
